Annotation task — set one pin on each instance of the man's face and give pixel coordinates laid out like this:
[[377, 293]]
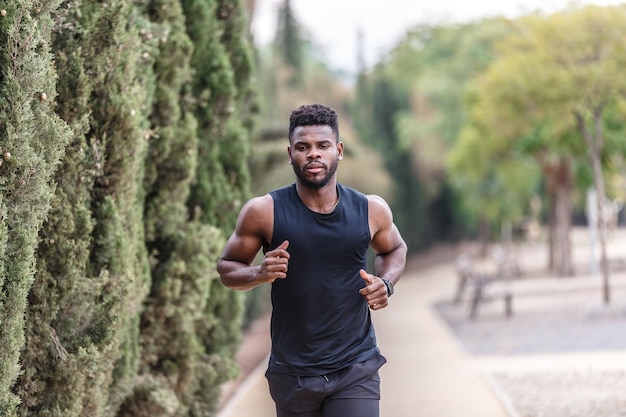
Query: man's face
[[314, 153]]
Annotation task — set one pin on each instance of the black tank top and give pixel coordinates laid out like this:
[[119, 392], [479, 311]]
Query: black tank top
[[320, 322]]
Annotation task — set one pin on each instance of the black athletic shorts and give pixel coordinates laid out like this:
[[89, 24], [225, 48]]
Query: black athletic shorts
[[350, 392]]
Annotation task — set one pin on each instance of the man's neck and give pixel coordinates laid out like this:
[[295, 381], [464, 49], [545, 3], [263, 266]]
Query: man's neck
[[323, 200]]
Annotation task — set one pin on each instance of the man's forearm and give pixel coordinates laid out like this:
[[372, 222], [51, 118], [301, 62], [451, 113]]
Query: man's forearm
[[237, 275], [391, 265]]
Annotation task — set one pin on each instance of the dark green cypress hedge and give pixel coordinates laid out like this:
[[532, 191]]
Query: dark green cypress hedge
[[138, 159], [122, 84], [32, 141], [224, 105], [91, 262], [63, 300], [174, 364]]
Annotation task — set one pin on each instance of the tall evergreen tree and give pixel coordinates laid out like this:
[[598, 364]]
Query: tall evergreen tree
[[289, 43], [122, 85], [221, 180], [129, 229], [82, 350], [173, 364], [62, 301], [32, 141], [223, 105], [411, 108]]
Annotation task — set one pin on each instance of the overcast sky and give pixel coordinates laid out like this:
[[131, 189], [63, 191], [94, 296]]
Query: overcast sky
[[333, 24]]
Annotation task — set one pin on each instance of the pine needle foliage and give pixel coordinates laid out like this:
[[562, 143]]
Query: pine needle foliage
[[124, 129], [32, 141], [91, 265]]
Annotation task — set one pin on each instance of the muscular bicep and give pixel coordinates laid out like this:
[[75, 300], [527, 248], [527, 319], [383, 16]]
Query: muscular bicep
[[253, 230], [242, 248], [385, 235], [387, 240]]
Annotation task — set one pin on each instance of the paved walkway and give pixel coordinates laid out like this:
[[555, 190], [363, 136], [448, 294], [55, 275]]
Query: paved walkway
[[429, 373]]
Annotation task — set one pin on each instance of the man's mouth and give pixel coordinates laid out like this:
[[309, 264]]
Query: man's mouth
[[314, 168]]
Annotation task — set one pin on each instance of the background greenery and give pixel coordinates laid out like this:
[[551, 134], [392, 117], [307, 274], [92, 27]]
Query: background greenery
[[131, 132]]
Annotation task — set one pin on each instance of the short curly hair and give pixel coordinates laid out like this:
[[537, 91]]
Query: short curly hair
[[313, 115]]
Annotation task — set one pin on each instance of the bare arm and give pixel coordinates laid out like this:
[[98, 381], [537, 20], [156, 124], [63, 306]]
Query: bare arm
[[390, 250], [253, 230]]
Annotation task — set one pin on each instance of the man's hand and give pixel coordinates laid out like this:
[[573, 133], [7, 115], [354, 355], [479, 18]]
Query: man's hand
[[275, 264], [375, 292]]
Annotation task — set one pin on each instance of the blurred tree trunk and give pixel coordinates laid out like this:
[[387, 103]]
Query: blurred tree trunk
[[484, 237], [559, 180], [595, 143]]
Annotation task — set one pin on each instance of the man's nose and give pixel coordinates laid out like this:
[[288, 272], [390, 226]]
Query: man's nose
[[314, 153]]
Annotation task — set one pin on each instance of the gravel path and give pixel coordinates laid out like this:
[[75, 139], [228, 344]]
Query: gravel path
[[551, 317], [557, 323], [566, 394]]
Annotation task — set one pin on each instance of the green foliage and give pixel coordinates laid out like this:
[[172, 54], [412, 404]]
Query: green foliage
[[32, 141], [411, 108], [101, 255], [380, 100], [436, 63], [548, 70], [173, 144], [121, 87], [289, 43], [485, 176], [224, 107], [174, 362], [62, 301], [221, 177], [91, 268], [240, 54]]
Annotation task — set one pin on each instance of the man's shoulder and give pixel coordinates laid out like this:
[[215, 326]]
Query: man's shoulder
[[256, 216], [259, 204], [378, 206], [376, 199]]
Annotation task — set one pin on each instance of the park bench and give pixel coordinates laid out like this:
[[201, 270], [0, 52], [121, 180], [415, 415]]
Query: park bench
[[617, 264], [479, 284]]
